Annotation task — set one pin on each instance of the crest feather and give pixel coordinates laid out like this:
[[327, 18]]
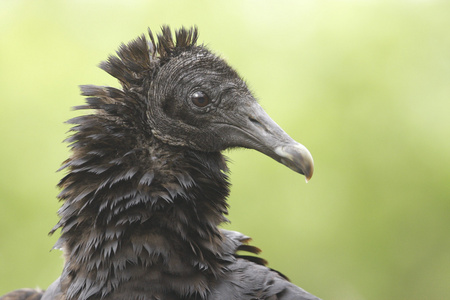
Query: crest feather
[[141, 58], [184, 39]]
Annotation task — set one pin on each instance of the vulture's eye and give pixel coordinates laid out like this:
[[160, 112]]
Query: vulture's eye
[[200, 99]]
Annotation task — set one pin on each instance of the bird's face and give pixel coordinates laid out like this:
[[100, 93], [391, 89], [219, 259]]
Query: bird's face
[[198, 101]]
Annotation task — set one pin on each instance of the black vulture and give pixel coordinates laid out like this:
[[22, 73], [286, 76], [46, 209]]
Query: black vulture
[[146, 184]]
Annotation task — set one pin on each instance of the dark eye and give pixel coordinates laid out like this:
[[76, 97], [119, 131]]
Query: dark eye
[[200, 99]]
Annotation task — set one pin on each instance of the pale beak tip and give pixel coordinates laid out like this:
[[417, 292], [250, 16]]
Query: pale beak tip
[[307, 178], [298, 158]]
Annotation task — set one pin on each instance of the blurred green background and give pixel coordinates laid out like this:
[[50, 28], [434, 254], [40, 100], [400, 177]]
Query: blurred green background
[[365, 85]]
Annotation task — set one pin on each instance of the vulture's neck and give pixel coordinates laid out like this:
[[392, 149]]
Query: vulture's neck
[[138, 213]]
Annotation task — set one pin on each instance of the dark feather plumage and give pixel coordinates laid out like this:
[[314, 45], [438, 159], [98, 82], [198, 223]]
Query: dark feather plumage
[[146, 184]]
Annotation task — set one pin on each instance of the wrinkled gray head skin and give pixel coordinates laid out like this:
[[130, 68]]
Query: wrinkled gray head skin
[[197, 100]]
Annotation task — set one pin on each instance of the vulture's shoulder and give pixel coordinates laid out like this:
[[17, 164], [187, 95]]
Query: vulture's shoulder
[[23, 294], [249, 277]]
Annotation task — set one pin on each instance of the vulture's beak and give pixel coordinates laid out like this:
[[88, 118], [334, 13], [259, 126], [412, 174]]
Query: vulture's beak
[[258, 131]]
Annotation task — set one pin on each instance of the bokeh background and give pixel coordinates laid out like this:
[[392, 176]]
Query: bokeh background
[[365, 85]]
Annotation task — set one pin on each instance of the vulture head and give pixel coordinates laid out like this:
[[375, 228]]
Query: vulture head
[[196, 100]]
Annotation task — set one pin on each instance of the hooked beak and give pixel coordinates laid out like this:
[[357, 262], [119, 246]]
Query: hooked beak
[[254, 129]]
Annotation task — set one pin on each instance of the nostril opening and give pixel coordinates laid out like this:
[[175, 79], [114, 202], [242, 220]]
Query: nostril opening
[[254, 121], [257, 123]]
